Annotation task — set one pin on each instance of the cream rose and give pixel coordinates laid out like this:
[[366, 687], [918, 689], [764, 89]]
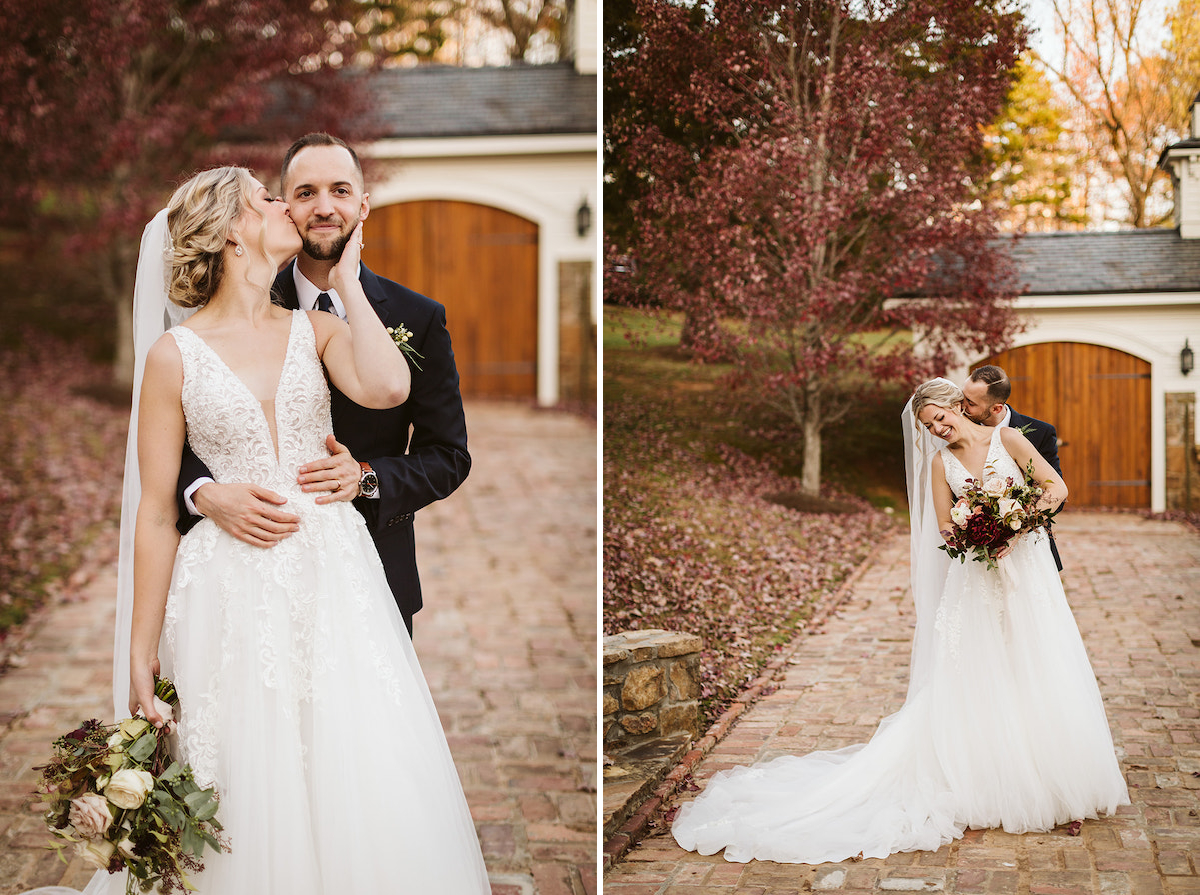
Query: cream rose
[[1007, 507], [90, 815], [128, 788], [97, 852], [995, 486], [960, 513]]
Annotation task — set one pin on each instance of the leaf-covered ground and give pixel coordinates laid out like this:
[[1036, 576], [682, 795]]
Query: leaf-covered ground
[[691, 540], [60, 482]]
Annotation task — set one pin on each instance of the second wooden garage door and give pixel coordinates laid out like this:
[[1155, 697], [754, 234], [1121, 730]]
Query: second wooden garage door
[[1099, 400], [482, 264]]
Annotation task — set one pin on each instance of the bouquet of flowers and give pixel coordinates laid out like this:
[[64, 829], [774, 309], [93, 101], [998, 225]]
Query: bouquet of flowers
[[991, 513], [116, 794]]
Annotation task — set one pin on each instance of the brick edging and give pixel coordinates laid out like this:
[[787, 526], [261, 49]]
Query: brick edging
[[634, 829]]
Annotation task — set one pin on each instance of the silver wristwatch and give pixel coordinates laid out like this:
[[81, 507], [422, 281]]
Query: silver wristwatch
[[368, 482]]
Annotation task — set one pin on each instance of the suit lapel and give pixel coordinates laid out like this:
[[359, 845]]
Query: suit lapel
[[374, 292], [283, 291]]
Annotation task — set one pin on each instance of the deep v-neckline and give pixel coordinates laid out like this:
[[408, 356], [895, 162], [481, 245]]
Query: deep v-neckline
[[971, 477], [287, 356]]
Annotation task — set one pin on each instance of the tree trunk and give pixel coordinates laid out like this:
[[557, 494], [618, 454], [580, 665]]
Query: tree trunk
[[689, 334], [810, 476], [123, 267], [123, 358]]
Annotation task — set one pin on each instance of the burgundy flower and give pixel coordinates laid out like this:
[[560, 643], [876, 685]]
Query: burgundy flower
[[986, 530]]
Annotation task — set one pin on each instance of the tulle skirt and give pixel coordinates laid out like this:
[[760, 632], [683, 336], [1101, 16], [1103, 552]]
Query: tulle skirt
[[1008, 731], [304, 704]]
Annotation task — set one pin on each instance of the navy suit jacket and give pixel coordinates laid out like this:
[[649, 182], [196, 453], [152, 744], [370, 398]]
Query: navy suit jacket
[[418, 450], [1044, 438]]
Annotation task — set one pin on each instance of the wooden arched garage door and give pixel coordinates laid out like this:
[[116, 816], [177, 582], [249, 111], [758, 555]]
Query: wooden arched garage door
[[1099, 400], [482, 264]]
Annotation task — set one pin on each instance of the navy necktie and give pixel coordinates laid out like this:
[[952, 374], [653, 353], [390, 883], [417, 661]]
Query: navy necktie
[[325, 303]]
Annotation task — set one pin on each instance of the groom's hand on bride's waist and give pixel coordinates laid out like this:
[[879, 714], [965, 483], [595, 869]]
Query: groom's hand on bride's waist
[[337, 475], [248, 512]]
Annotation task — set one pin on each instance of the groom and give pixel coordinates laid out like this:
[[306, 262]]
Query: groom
[[985, 400], [373, 459]]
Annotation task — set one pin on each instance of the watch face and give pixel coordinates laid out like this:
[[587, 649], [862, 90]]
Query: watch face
[[369, 483]]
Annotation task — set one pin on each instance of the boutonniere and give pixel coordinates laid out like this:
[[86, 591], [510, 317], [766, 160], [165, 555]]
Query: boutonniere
[[1025, 429], [400, 336]]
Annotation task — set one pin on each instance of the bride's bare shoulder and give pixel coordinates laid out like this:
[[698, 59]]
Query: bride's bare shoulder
[[1014, 439], [165, 350]]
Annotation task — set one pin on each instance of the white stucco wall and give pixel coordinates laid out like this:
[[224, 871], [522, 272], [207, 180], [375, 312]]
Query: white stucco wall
[[1149, 326], [587, 47], [541, 178]]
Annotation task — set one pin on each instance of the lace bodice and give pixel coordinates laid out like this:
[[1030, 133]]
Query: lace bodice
[[999, 462], [226, 425]]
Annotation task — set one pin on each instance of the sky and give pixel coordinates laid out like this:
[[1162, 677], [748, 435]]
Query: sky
[[1041, 16]]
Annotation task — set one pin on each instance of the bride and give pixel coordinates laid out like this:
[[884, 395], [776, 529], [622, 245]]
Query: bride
[[1003, 725], [302, 700]]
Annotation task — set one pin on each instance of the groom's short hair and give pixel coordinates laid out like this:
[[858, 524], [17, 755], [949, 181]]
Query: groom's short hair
[[319, 139], [998, 387]]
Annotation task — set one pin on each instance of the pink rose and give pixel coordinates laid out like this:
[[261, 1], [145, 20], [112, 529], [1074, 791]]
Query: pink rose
[[90, 815], [995, 486]]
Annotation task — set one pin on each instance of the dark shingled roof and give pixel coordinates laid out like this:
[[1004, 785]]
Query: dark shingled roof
[[443, 101], [440, 101], [1125, 261]]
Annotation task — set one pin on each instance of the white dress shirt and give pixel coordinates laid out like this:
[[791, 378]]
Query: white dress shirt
[[307, 293]]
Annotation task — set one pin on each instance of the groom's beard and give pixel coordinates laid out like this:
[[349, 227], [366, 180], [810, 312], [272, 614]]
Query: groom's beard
[[331, 251]]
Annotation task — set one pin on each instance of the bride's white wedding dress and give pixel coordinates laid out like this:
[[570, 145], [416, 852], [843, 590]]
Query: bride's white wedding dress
[[1007, 729], [301, 696]]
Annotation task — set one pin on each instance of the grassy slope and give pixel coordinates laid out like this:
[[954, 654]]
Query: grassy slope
[[692, 540]]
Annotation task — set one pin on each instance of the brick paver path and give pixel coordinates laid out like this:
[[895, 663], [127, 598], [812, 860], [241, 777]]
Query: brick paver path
[[1134, 585], [507, 640]]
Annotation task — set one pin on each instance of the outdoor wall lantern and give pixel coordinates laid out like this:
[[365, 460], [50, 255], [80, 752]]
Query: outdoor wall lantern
[[583, 218], [1187, 360]]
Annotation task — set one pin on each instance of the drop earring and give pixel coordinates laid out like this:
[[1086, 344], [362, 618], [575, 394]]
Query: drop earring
[[237, 251]]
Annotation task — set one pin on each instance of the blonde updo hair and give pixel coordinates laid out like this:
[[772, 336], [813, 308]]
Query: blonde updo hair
[[938, 392], [200, 217]]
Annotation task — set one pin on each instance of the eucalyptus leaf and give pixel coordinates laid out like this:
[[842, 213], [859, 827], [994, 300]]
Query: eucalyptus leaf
[[143, 748], [171, 773], [192, 842], [173, 815], [209, 810], [195, 799]]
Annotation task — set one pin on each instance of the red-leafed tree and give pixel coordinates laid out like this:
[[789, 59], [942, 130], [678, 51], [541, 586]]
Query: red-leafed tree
[[105, 107], [796, 172]]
